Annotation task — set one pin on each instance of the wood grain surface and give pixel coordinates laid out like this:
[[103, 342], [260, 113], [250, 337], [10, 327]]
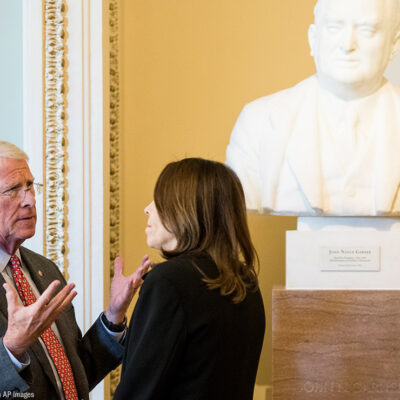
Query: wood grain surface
[[330, 345]]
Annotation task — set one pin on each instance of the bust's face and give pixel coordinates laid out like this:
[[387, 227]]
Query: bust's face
[[352, 42]]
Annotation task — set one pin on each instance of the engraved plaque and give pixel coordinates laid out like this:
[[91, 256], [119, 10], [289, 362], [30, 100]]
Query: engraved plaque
[[350, 258]]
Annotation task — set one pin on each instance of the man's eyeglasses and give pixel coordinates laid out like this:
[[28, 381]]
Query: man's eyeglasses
[[20, 191]]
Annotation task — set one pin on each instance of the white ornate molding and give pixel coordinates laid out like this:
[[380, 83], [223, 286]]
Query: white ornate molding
[[44, 129], [55, 134], [71, 134]]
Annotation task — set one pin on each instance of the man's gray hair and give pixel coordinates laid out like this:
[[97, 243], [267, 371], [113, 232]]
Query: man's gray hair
[[395, 15], [9, 150]]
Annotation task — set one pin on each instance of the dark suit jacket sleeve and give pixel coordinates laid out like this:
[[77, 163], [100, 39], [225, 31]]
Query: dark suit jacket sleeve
[[99, 353], [92, 358], [155, 341], [9, 377]]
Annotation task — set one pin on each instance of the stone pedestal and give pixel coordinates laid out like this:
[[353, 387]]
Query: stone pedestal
[[343, 253], [342, 260], [336, 344]]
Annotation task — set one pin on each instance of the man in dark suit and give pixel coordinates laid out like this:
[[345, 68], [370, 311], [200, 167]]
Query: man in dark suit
[[42, 351]]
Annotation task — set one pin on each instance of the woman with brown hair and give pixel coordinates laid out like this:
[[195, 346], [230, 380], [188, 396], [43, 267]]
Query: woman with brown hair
[[198, 326]]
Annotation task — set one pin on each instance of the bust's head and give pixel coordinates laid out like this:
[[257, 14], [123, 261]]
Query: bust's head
[[352, 42]]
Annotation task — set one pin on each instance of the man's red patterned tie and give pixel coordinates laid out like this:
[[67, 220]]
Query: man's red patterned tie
[[49, 338]]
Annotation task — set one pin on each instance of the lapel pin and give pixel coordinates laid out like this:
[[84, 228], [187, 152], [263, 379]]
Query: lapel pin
[[40, 272]]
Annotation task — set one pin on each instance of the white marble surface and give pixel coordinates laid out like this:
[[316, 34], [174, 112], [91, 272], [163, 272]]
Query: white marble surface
[[348, 223], [304, 269], [330, 144]]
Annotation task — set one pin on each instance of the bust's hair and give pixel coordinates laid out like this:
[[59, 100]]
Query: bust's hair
[[202, 203], [9, 150], [394, 14]]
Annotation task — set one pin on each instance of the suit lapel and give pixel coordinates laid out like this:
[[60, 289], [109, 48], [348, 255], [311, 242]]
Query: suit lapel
[[3, 300], [42, 280], [43, 273], [304, 150], [40, 273]]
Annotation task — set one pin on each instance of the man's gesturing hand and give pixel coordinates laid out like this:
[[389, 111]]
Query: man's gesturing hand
[[26, 324], [123, 288]]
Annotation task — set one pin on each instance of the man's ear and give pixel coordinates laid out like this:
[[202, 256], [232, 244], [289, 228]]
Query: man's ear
[[396, 45], [312, 38]]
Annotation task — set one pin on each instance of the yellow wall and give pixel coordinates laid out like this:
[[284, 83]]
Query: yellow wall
[[187, 69]]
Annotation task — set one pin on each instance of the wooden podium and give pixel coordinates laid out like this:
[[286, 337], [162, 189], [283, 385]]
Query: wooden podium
[[336, 344]]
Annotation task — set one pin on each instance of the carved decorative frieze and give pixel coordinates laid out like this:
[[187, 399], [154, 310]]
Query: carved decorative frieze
[[114, 153], [56, 139], [55, 133]]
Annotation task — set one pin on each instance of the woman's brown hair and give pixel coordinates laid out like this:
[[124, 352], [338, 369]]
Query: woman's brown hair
[[202, 203]]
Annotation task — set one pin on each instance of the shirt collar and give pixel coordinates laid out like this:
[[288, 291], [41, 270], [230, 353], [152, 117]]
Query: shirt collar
[[5, 258], [336, 109]]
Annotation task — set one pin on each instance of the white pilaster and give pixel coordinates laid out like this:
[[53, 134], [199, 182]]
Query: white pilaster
[[87, 156], [87, 160], [32, 39]]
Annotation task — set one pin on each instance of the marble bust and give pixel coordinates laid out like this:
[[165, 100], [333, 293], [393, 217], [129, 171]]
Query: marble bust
[[331, 144]]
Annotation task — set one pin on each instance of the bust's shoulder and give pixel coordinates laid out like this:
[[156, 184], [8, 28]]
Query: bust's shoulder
[[283, 99]]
